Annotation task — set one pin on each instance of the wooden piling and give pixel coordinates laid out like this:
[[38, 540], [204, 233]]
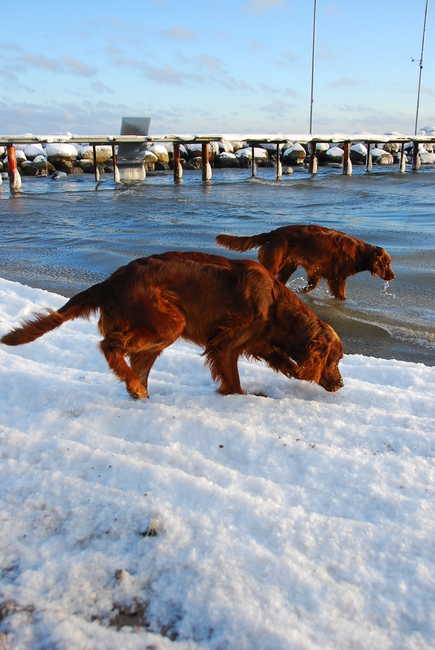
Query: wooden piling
[[253, 163], [115, 166], [178, 169], [278, 163], [416, 162], [14, 174], [96, 170], [312, 168], [206, 167], [402, 165], [369, 160], [347, 163]]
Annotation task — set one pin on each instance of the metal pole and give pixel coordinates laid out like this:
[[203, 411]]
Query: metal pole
[[421, 67], [312, 67]]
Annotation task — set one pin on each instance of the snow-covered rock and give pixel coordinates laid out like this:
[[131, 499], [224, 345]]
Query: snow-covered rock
[[381, 157], [160, 152], [20, 156], [40, 162], [150, 158], [227, 159], [334, 155], [226, 147], [358, 153], [194, 150], [33, 150], [150, 161], [245, 154], [103, 152], [57, 152], [426, 157], [294, 155], [321, 147]]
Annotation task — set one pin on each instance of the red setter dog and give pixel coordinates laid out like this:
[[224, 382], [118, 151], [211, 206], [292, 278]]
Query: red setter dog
[[324, 253], [229, 307]]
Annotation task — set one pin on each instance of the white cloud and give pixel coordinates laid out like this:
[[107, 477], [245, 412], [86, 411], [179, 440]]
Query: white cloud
[[41, 61], [99, 87], [288, 59], [179, 33], [263, 5], [77, 67], [343, 82]]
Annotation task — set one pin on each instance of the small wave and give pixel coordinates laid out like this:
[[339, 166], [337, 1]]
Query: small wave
[[423, 338]]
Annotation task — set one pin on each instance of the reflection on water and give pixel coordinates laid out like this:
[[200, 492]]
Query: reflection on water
[[64, 235]]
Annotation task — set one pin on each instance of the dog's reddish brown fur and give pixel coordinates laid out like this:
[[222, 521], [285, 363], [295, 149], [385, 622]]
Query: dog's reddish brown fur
[[322, 252], [229, 307]]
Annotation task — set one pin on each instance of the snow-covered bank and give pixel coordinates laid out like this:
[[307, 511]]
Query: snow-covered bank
[[300, 520]]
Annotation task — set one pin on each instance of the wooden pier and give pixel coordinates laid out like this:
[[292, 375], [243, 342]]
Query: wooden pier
[[12, 141]]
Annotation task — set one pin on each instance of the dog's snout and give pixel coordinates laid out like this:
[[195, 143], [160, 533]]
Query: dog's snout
[[336, 385]]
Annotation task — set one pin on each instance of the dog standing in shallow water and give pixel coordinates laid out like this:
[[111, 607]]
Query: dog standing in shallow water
[[323, 253], [229, 307]]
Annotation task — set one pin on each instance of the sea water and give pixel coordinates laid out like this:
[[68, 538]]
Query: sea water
[[65, 235]]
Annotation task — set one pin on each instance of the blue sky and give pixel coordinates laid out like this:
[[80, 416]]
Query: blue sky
[[229, 66]]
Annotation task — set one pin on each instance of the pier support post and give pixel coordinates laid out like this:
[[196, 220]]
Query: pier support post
[[416, 162], [402, 165], [369, 160], [96, 170], [253, 163], [14, 174], [278, 163], [347, 163], [131, 155], [115, 166], [178, 169], [206, 167], [312, 167]]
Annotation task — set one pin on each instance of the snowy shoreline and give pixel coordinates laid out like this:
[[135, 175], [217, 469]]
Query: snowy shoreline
[[303, 520]]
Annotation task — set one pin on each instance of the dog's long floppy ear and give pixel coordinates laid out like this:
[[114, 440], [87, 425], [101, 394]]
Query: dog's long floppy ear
[[311, 366], [305, 343]]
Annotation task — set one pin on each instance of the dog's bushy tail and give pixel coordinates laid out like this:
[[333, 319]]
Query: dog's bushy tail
[[242, 244], [82, 305]]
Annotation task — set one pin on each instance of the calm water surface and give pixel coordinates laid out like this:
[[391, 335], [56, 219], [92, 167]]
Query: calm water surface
[[65, 235]]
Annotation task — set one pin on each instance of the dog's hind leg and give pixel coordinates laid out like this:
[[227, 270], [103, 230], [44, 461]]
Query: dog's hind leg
[[143, 348], [115, 352], [142, 345], [337, 286]]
